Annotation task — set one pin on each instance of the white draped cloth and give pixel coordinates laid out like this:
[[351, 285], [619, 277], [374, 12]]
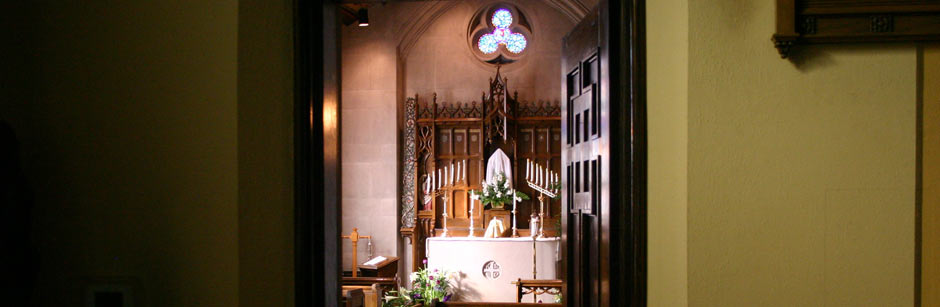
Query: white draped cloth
[[498, 162]]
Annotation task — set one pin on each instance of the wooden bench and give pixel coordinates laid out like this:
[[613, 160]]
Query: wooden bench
[[373, 288], [353, 298], [536, 287]]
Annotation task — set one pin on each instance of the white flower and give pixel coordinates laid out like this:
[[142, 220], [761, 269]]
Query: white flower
[[499, 194], [414, 276]]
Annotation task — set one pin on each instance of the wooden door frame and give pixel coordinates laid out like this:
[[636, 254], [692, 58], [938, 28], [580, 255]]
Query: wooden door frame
[[625, 53], [318, 209]]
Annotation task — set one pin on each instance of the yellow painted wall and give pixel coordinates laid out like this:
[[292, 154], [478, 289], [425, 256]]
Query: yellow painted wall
[[930, 235], [265, 153], [130, 140], [667, 114], [801, 173]]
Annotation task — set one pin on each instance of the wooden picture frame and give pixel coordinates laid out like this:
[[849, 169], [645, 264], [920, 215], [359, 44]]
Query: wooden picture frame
[[807, 22]]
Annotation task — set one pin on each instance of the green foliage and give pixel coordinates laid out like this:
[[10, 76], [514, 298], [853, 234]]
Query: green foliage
[[496, 194], [426, 286]]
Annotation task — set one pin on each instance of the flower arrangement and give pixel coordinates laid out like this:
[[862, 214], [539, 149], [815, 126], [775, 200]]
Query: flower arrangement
[[426, 286], [498, 193]]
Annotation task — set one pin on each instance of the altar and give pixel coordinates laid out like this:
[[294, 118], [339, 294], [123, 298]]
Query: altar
[[486, 267]]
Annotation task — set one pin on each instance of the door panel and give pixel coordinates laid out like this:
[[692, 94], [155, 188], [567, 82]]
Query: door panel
[[581, 161]]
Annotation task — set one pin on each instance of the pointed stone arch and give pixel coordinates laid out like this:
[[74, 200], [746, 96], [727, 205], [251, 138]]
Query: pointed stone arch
[[575, 10]]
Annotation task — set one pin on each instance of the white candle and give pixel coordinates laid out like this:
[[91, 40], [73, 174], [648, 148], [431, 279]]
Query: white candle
[[527, 168], [534, 170], [459, 173], [439, 178], [540, 175], [451, 173]]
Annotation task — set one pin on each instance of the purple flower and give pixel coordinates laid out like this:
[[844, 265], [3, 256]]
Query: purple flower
[[432, 277], [446, 298], [425, 261]]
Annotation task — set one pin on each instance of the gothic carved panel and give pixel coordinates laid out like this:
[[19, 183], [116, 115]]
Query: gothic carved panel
[[409, 169], [439, 133]]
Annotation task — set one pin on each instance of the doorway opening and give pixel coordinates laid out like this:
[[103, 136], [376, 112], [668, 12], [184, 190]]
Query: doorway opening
[[401, 150]]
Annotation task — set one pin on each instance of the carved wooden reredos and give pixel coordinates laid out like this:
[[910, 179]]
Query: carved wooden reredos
[[438, 133]]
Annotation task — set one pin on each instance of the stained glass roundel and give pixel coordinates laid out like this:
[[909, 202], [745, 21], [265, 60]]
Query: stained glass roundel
[[490, 42], [502, 18]]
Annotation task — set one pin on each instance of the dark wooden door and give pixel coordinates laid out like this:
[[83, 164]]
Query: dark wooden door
[[582, 118], [604, 157]]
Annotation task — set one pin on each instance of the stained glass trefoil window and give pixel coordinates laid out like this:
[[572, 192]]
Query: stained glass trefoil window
[[514, 42]]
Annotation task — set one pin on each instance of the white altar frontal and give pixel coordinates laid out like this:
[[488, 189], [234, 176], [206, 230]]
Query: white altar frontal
[[486, 267]]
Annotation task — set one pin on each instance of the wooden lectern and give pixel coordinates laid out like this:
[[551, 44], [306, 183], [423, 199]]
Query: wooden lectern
[[384, 268]]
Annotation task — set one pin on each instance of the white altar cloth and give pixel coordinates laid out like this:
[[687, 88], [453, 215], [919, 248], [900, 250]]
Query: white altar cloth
[[468, 257]]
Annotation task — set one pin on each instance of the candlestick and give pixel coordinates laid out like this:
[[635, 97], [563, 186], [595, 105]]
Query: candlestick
[[471, 218], [542, 181], [541, 216], [515, 233], [444, 234]]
